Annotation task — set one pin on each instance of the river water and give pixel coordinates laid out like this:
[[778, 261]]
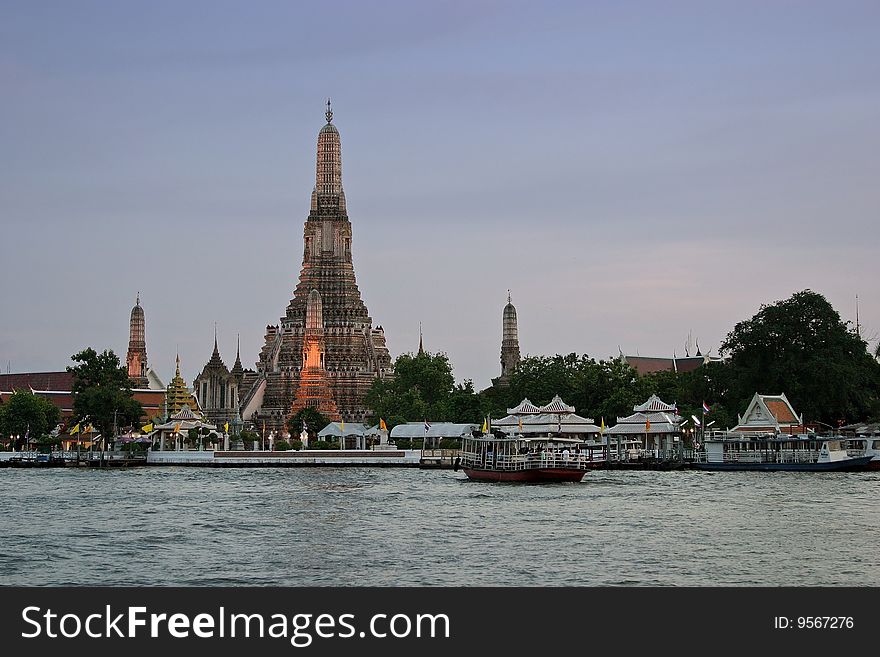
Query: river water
[[396, 527]]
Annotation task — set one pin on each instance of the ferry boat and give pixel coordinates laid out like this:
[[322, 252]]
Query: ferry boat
[[528, 459], [777, 452]]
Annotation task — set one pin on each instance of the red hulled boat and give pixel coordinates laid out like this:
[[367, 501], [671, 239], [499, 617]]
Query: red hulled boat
[[530, 460]]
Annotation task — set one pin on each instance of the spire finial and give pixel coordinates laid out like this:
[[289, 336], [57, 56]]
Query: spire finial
[[421, 345], [138, 301], [238, 345], [329, 112], [215, 337], [508, 296], [177, 373]]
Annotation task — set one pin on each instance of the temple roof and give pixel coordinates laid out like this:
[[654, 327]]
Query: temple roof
[[525, 407], [557, 406], [654, 403]]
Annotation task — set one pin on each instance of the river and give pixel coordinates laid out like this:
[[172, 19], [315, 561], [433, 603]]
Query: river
[[394, 527]]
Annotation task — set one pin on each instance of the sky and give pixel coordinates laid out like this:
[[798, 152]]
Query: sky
[[633, 172]]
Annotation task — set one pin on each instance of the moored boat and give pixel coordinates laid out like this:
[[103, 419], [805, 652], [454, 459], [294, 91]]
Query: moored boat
[[528, 459], [777, 452]]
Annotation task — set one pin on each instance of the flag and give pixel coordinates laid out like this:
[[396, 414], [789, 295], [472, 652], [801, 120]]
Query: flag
[[485, 426], [177, 427], [89, 429], [602, 426], [706, 408], [226, 427], [647, 425], [520, 425], [342, 425], [427, 426], [75, 429], [382, 425], [147, 428]]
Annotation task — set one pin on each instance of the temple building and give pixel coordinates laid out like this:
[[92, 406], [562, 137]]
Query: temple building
[[653, 428], [355, 353], [510, 355], [313, 390], [136, 359], [177, 395], [217, 388], [770, 414]]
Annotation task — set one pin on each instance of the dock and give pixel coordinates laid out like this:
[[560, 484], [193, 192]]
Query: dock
[[393, 458]]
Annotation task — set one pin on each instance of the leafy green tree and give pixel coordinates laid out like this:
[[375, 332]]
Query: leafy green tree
[[102, 392], [313, 419], [800, 346], [424, 387], [24, 412]]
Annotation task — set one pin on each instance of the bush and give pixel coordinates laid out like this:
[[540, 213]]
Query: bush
[[282, 446], [323, 444], [296, 444]]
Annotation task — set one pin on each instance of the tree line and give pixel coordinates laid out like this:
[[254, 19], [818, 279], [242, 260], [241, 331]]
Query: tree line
[[799, 346]]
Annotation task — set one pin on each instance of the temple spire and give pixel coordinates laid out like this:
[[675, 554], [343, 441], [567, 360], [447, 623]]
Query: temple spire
[[329, 113], [510, 355], [421, 345], [136, 359]]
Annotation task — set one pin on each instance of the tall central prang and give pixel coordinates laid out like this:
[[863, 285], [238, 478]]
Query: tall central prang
[[355, 353]]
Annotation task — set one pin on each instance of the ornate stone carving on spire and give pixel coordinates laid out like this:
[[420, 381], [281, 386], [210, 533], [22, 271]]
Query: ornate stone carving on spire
[[510, 355], [136, 359], [354, 352], [313, 391], [177, 395]]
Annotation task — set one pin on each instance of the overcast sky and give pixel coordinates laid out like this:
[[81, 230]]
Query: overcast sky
[[632, 171]]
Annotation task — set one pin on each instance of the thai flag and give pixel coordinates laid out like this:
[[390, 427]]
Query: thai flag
[[706, 408], [427, 426]]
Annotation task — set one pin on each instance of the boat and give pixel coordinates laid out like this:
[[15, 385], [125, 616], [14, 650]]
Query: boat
[[777, 452], [866, 445], [532, 459]]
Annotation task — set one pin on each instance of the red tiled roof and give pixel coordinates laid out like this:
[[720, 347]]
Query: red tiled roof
[[781, 411], [647, 365], [61, 381]]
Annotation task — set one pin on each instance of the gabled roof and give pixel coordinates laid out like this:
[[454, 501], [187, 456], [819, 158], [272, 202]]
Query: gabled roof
[[185, 414], [654, 403], [525, 407], [557, 406], [773, 411]]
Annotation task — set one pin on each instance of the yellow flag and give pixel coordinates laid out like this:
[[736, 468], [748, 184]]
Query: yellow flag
[[647, 426], [147, 428], [226, 427], [602, 427], [342, 425], [382, 425], [75, 429], [485, 427], [89, 429], [177, 427]]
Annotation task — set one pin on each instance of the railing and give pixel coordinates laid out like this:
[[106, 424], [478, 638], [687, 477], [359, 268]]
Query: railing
[[761, 456], [530, 461]]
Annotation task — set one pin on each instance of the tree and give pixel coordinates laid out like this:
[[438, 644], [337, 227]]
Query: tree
[[24, 412], [423, 388], [315, 421], [800, 346], [102, 392]]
